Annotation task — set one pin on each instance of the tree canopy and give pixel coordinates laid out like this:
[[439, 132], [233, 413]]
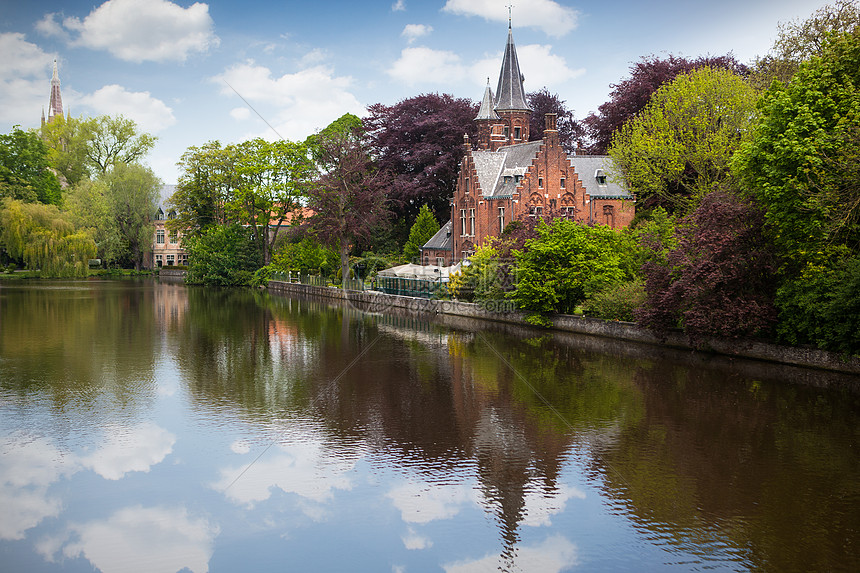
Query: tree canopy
[[570, 131], [419, 143], [422, 231], [24, 169], [632, 94], [348, 196], [679, 147]]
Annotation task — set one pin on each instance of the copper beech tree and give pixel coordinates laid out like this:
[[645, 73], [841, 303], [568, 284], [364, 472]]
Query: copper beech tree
[[348, 196]]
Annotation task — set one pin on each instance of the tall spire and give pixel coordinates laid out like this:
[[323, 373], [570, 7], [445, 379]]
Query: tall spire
[[55, 108], [510, 94]]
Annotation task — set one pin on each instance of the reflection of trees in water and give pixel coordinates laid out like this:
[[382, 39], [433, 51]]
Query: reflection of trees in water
[[767, 467], [89, 346]]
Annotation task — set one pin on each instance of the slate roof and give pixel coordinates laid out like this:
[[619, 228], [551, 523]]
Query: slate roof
[[589, 167], [497, 170], [510, 94], [486, 110], [442, 240]]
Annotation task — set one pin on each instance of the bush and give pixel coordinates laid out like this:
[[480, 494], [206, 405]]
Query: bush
[[222, 255], [617, 302]]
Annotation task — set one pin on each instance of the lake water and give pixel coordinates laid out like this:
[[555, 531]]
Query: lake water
[[151, 427]]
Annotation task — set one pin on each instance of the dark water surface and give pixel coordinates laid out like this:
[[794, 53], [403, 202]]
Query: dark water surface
[[153, 427]]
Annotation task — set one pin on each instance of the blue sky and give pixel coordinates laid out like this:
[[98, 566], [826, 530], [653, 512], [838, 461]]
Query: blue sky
[[300, 65]]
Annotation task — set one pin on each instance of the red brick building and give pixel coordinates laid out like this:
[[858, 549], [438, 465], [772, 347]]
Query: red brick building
[[504, 176]]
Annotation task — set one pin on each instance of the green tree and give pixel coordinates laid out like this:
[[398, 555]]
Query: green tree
[[797, 42], [678, 148], [422, 230], [801, 166], [132, 197], [567, 263], [94, 145], [207, 182], [307, 255], [87, 203], [67, 148], [24, 170], [273, 177], [222, 255], [45, 239]]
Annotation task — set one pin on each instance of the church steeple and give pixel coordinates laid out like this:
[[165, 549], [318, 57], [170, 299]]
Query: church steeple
[[55, 107]]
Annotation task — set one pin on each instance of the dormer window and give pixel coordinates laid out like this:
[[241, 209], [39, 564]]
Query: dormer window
[[517, 178], [517, 132], [600, 175]]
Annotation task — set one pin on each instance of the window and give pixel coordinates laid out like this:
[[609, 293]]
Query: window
[[540, 182], [170, 260], [609, 215], [172, 236], [507, 132], [462, 222], [568, 211], [440, 261], [472, 222], [600, 176], [501, 219], [561, 183], [535, 211], [467, 184], [516, 133], [183, 259], [159, 237], [158, 260], [517, 178]]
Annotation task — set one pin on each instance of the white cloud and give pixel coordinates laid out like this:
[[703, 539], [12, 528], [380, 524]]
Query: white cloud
[[412, 540], [540, 506], [151, 114], [142, 30], [50, 26], [398, 6], [555, 554], [421, 502], [305, 469], [25, 80], [240, 113], [547, 15], [422, 65], [129, 449], [414, 31], [27, 469], [297, 104], [539, 65], [146, 540]]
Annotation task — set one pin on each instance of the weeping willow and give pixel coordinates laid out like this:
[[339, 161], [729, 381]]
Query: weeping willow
[[45, 239]]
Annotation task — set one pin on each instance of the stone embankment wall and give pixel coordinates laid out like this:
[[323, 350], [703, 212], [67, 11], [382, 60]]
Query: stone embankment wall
[[172, 273], [372, 301]]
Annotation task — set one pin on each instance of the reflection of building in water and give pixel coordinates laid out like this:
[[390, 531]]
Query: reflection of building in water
[[170, 302]]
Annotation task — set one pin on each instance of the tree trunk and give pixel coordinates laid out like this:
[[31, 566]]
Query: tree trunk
[[344, 263]]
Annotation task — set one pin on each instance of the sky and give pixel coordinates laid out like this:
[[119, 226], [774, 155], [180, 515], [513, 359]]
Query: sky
[[193, 72]]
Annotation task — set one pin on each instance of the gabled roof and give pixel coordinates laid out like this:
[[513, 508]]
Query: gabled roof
[[486, 110], [510, 94], [442, 240], [592, 167], [498, 170]]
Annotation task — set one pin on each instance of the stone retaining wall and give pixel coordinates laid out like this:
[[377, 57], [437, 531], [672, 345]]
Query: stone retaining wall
[[372, 301]]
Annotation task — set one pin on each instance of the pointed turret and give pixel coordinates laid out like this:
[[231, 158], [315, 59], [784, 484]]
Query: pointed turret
[[55, 108], [487, 110], [510, 94]]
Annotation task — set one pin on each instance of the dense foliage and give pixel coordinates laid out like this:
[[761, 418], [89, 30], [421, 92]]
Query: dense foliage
[[570, 131], [422, 230], [222, 255], [45, 239], [678, 148], [418, 142], [631, 95], [24, 169], [718, 280]]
